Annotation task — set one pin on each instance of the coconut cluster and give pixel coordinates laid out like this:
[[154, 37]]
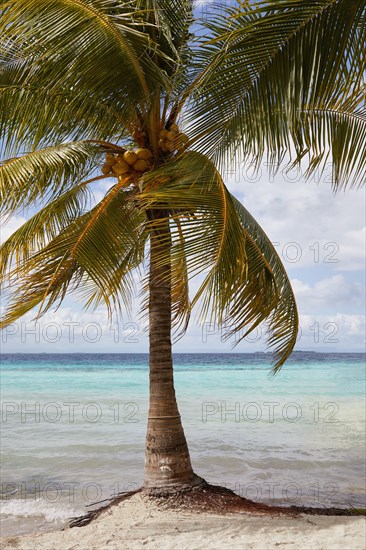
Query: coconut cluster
[[172, 140], [127, 163]]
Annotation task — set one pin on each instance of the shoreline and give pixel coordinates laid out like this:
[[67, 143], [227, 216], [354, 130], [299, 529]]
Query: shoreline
[[37, 524], [137, 523]]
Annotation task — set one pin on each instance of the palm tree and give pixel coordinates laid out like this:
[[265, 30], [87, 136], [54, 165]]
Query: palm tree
[[102, 90]]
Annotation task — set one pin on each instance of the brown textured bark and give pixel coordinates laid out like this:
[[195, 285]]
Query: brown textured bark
[[167, 462]]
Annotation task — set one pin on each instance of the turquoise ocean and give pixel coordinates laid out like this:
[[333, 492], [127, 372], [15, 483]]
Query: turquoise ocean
[[73, 429]]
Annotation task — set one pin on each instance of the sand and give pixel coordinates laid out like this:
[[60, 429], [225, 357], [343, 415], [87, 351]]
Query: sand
[[138, 524]]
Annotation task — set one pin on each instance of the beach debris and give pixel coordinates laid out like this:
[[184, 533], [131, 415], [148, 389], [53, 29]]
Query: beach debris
[[81, 521]]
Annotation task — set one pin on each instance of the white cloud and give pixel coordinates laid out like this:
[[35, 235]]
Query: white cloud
[[66, 330], [352, 249], [310, 223], [337, 332], [327, 294], [69, 330]]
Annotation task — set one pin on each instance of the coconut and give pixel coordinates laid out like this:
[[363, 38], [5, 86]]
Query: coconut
[[174, 128], [121, 167], [109, 159], [144, 154], [130, 157], [106, 169], [162, 146], [141, 165]]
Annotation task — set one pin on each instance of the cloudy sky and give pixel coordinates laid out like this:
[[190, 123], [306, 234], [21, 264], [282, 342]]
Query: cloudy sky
[[320, 237]]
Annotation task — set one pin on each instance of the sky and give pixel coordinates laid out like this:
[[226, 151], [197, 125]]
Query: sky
[[320, 237]]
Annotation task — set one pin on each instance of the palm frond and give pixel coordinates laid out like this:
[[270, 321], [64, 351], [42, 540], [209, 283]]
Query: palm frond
[[244, 283], [70, 39], [270, 69], [32, 115], [169, 22], [284, 320], [89, 60], [29, 291], [346, 133], [96, 254], [181, 305], [42, 227], [44, 174], [176, 16]]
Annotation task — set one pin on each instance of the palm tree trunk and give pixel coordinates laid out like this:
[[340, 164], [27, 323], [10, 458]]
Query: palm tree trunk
[[167, 462]]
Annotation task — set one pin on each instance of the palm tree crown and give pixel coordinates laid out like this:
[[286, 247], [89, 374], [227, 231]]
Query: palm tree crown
[[124, 92]]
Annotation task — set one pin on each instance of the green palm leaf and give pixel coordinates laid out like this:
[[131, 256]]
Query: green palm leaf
[[44, 174], [44, 226], [103, 32], [96, 58], [25, 127], [181, 304], [245, 281], [97, 252], [284, 320], [278, 77]]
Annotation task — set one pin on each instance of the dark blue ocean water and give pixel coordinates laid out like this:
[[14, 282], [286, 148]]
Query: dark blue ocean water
[[73, 429]]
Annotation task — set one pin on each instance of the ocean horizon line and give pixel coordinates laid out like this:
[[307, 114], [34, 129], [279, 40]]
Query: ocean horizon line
[[181, 353]]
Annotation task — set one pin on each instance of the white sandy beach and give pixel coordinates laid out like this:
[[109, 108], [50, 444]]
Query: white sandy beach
[[137, 524]]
